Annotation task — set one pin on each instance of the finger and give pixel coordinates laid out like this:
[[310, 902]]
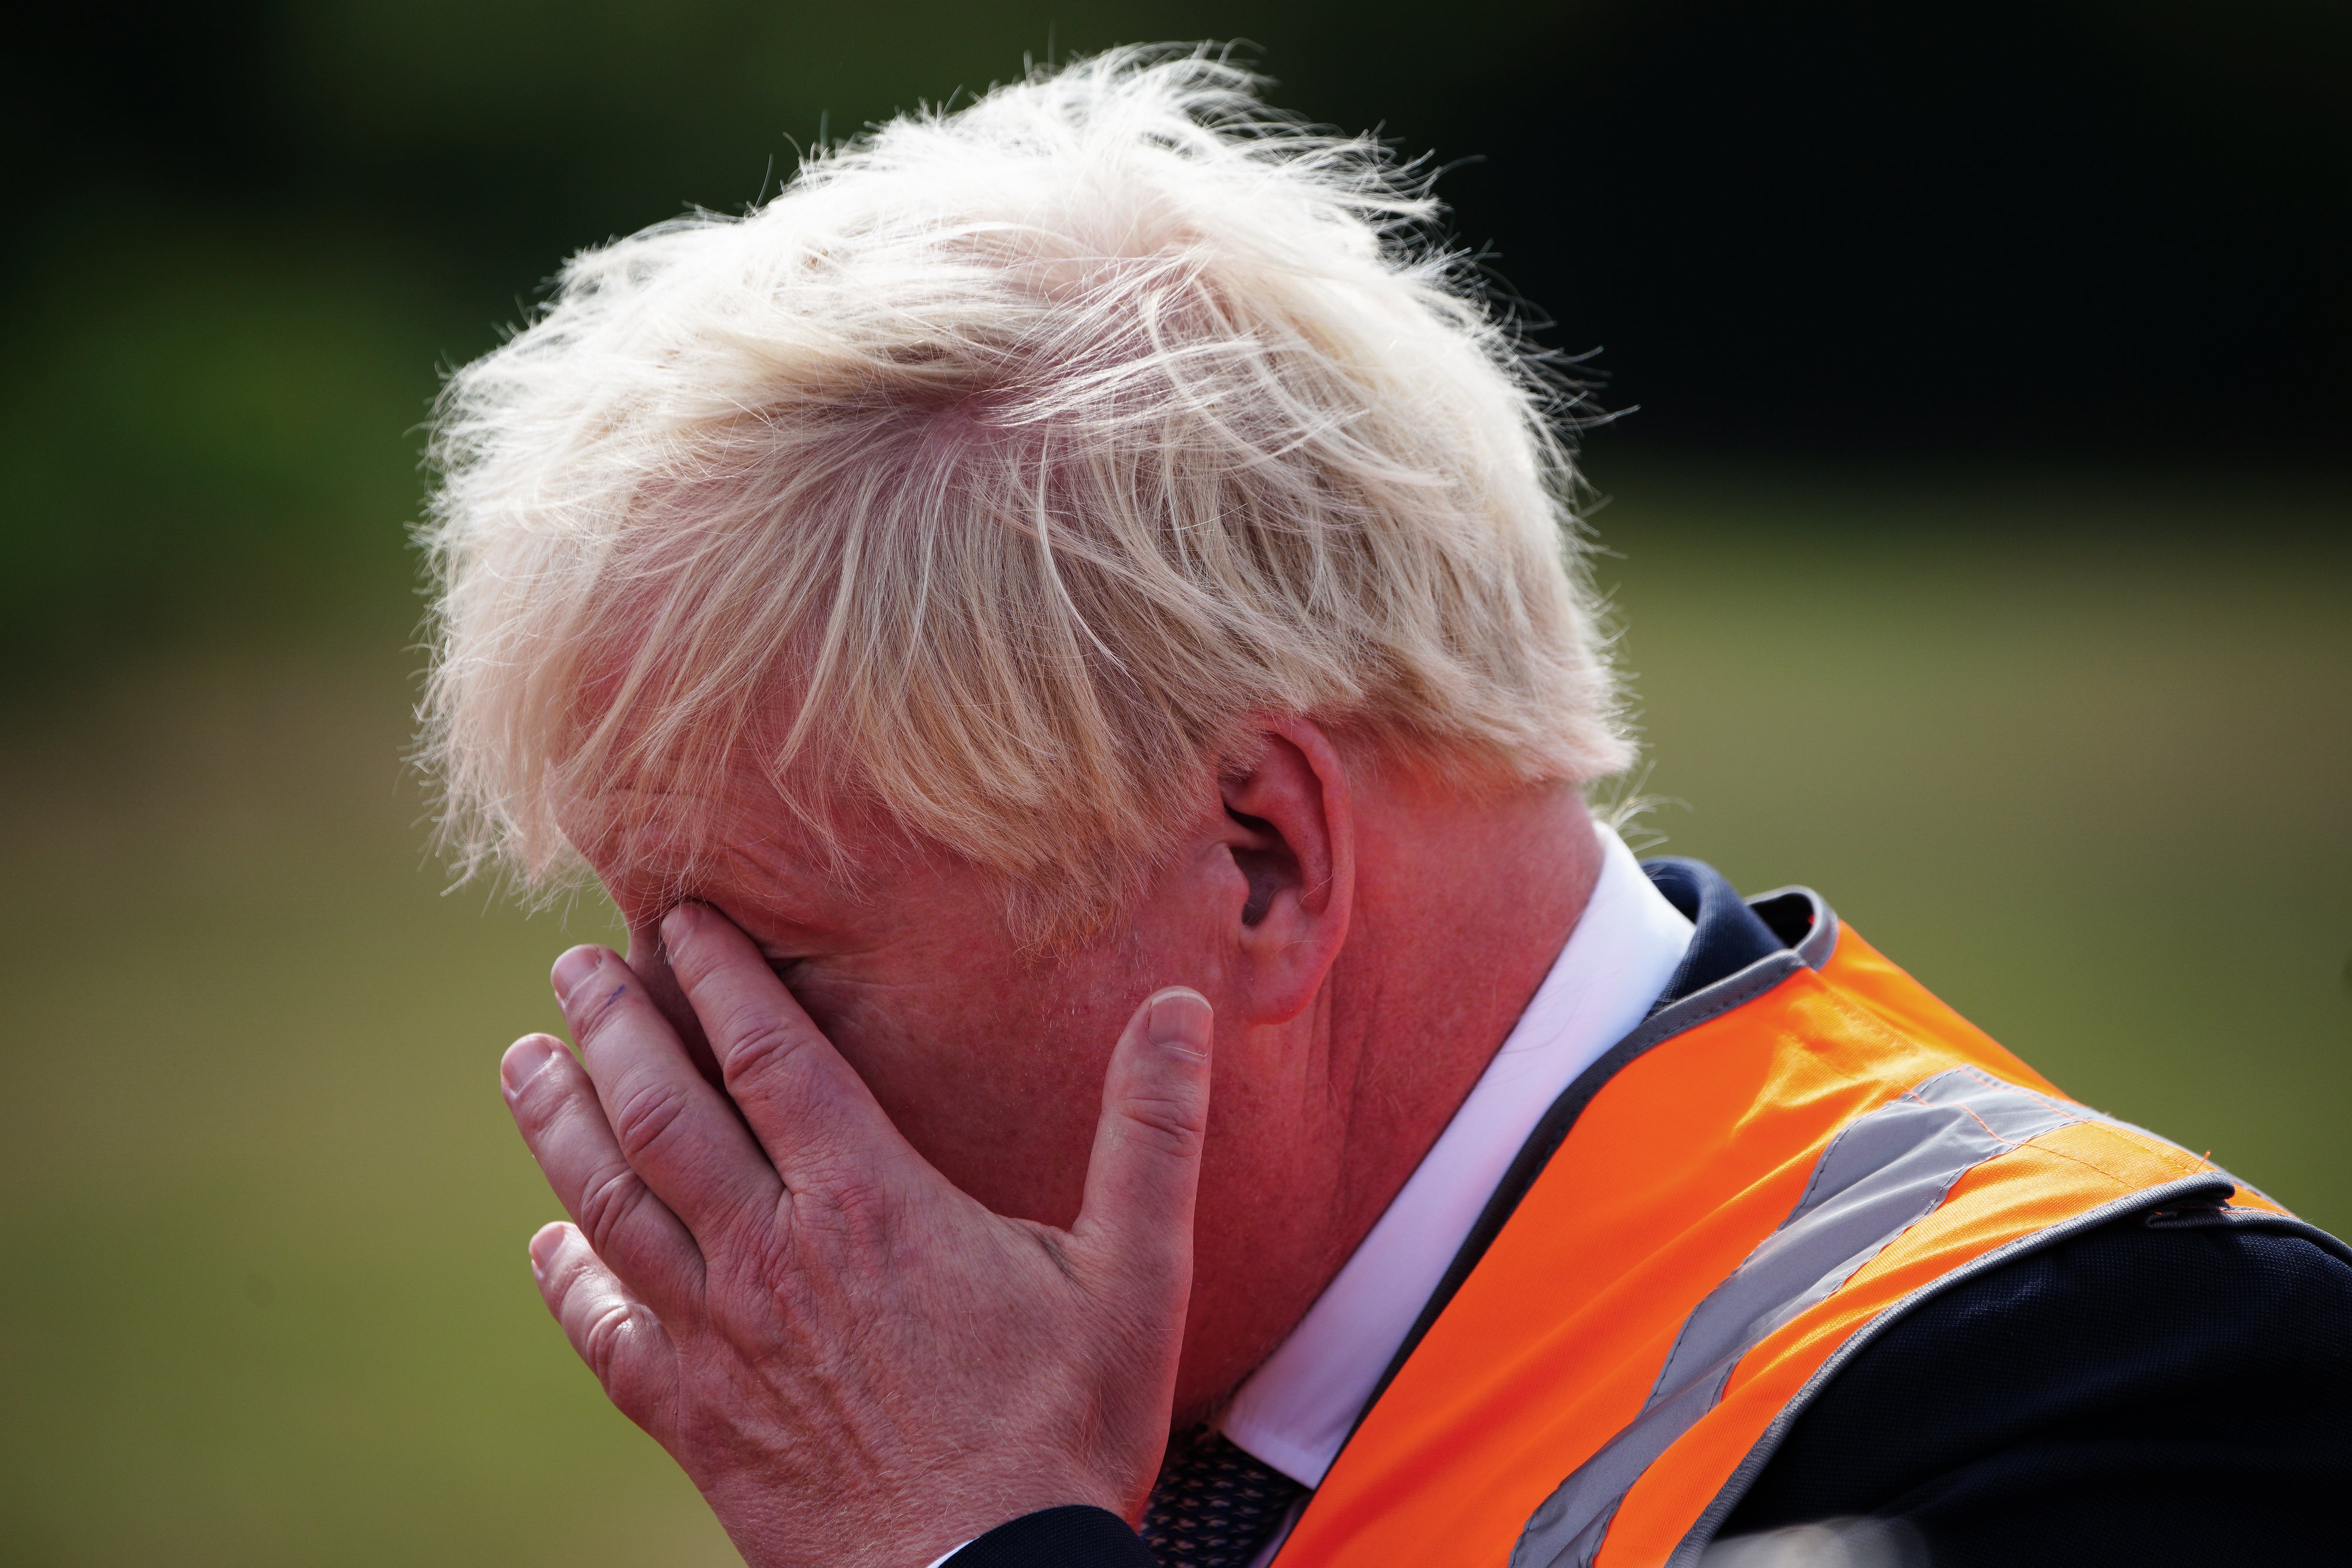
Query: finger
[[809, 1111], [563, 1124], [620, 1338], [677, 1131], [650, 964], [1146, 1166]]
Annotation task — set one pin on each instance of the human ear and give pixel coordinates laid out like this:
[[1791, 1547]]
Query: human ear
[[1289, 826]]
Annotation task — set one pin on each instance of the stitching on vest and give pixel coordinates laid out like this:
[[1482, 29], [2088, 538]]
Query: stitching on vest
[[1658, 1384], [1821, 1165], [1996, 1137], [2196, 1166], [1821, 1162], [1864, 1017], [2149, 1143], [2084, 1115]]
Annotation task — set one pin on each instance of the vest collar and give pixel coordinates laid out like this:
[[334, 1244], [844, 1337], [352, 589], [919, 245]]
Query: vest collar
[[1739, 949], [1733, 933]]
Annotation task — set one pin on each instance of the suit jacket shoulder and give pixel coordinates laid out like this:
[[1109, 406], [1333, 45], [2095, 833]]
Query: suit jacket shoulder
[[2171, 1388]]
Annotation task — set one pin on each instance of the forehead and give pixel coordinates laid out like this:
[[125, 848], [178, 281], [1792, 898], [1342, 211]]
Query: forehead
[[741, 847]]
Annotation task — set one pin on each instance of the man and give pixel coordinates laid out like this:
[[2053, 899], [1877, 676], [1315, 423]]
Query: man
[[1074, 591]]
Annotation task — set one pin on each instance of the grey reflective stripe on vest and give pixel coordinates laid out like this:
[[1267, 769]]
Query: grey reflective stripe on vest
[[1885, 1172], [2212, 1187]]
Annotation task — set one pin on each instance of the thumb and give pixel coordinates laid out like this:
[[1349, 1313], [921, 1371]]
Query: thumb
[[1138, 1214]]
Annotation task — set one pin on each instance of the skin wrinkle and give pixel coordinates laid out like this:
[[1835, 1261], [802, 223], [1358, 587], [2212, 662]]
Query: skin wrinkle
[[989, 1058], [934, 574]]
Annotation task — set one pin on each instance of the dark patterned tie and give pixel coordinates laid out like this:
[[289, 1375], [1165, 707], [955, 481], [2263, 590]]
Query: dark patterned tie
[[1215, 1506]]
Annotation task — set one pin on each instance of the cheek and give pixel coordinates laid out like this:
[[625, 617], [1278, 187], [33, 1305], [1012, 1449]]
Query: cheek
[[993, 1082]]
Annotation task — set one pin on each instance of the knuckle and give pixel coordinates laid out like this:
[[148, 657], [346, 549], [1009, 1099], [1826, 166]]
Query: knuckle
[[606, 1339], [1169, 1123], [846, 1213], [644, 1115], [859, 1204], [542, 1100], [759, 1045], [765, 1279], [607, 1201]]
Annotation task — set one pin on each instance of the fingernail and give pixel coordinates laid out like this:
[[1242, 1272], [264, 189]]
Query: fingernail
[[574, 968], [543, 1248], [523, 1060], [1182, 1020], [679, 923]]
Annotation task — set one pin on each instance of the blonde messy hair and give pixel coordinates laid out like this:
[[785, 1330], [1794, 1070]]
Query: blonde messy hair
[[990, 479]]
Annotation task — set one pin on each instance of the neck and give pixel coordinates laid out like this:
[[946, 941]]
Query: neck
[[1459, 916], [1460, 910]]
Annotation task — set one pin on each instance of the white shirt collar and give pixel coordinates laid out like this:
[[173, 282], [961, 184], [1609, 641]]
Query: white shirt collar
[[1297, 1408]]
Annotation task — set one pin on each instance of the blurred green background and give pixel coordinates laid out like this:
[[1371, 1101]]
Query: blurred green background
[[1980, 536]]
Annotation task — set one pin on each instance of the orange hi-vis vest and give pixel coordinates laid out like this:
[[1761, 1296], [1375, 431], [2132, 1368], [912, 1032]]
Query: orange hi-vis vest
[[1758, 1179]]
